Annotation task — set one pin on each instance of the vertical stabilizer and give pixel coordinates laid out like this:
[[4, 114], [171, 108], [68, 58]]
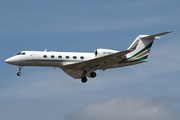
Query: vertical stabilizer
[[142, 46]]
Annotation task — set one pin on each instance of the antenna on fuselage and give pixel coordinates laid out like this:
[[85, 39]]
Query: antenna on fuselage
[[45, 50]]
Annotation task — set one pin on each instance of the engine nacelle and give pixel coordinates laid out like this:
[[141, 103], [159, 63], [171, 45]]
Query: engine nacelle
[[104, 52]]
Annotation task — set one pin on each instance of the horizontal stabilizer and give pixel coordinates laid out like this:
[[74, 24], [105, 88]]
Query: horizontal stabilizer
[[156, 36]]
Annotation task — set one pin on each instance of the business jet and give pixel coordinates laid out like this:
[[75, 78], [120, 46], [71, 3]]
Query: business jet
[[83, 65]]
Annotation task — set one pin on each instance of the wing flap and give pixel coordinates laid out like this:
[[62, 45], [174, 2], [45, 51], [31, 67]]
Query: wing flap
[[108, 60], [76, 74], [111, 63]]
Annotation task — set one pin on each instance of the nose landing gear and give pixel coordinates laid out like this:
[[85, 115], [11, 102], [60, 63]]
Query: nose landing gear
[[19, 73]]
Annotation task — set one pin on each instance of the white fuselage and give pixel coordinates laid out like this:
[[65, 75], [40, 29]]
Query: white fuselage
[[51, 59], [55, 59]]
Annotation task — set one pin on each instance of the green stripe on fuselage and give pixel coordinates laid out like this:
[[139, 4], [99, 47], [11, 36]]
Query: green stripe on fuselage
[[139, 59], [147, 47], [142, 58]]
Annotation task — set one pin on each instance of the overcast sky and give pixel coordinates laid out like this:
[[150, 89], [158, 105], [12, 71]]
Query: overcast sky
[[148, 91]]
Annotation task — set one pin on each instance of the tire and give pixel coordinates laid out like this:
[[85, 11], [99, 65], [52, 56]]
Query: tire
[[93, 74], [19, 74], [84, 80]]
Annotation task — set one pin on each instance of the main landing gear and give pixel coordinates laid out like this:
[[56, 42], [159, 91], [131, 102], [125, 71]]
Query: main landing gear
[[19, 73], [84, 80], [92, 75]]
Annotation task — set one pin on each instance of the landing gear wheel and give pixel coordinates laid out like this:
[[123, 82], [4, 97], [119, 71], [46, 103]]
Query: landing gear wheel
[[93, 74], [19, 73], [84, 80]]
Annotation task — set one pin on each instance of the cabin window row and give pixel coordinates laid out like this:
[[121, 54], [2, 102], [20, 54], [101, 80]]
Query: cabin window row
[[67, 57]]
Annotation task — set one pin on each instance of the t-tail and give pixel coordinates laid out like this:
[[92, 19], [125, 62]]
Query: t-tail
[[141, 47]]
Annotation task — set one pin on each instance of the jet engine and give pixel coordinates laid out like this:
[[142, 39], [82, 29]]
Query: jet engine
[[104, 52]]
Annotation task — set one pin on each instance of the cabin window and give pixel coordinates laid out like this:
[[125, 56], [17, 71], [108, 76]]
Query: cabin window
[[60, 56], [67, 57], [52, 56], [74, 57], [82, 57], [45, 56]]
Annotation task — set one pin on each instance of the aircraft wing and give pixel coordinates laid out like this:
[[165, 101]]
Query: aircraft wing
[[103, 62]]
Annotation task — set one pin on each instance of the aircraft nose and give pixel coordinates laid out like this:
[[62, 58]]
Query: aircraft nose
[[9, 60], [6, 60]]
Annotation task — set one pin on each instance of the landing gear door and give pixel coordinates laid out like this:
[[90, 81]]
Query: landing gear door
[[35, 57]]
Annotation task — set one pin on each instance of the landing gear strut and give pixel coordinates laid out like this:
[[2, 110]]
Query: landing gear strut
[[19, 73]]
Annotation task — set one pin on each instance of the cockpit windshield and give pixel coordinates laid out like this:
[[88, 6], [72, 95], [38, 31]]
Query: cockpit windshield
[[22, 53]]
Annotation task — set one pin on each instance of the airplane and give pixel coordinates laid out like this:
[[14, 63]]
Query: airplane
[[82, 65]]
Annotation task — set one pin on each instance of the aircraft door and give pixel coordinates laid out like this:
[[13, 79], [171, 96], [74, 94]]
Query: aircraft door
[[29, 56]]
